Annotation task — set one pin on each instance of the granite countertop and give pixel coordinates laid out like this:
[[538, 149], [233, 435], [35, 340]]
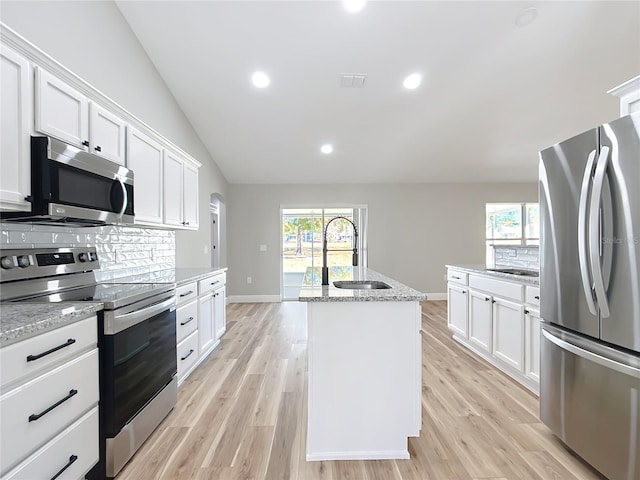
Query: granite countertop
[[313, 291], [179, 276], [24, 320], [482, 269]]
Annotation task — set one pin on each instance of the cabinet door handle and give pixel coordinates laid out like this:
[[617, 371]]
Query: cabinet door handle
[[187, 355], [31, 358], [35, 416], [98, 148], [182, 324], [537, 297], [85, 143], [526, 312], [486, 299], [493, 301], [186, 294], [72, 459], [464, 291]]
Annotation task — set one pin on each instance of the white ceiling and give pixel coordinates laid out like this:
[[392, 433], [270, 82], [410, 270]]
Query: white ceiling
[[493, 94]]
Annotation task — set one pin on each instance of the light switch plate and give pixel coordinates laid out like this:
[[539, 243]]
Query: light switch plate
[[263, 248]]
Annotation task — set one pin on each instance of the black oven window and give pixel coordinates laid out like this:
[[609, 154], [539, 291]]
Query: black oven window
[[85, 189]]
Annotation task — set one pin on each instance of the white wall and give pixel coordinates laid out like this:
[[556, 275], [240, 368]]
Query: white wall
[[414, 229], [93, 40]]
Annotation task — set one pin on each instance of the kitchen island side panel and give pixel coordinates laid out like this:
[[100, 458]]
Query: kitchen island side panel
[[364, 379]]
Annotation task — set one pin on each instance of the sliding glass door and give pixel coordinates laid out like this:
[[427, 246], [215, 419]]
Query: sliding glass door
[[302, 232]]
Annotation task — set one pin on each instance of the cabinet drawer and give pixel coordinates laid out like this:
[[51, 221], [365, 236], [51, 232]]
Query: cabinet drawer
[[510, 290], [533, 296], [186, 293], [30, 357], [187, 353], [35, 412], [212, 283], [76, 446], [455, 276], [186, 320]]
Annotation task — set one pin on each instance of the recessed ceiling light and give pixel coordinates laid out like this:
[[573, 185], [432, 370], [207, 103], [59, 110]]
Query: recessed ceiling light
[[326, 149], [260, 79], [526, 17], [354, 5], [412, 81]]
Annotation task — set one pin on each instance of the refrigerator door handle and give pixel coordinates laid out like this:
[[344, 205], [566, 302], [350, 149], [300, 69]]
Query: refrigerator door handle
[[595, 232], [594, 357], [582, 233]]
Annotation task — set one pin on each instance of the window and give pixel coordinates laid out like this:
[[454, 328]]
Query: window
[[302, 230], [511, 224]]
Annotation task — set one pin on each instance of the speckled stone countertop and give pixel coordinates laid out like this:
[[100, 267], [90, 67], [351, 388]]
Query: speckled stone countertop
[[313, 291], [482, 269], [179, 276], [24, 320]]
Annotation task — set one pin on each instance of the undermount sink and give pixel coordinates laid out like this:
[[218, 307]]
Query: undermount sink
[[361, 284], [515, 271]]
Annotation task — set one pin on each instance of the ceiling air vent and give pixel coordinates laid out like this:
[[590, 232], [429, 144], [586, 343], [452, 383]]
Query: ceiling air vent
[[356, 80]]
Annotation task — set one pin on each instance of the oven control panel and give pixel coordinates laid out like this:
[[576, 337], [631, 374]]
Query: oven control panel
[[33, 263]]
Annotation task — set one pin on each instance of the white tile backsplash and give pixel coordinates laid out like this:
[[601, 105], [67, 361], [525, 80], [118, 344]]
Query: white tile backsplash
[[519, 256], [122, 251]]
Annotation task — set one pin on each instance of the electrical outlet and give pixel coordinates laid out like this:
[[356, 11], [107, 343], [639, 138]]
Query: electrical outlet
[[263, 248], [249, 280]]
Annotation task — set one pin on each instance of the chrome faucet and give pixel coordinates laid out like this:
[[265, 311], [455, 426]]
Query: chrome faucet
[[325, 269]]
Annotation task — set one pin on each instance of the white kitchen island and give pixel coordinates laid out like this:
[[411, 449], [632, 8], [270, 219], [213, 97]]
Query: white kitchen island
[[365, 361]]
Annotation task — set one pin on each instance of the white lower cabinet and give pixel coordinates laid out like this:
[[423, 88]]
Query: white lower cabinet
[[200, 320], [508, 332], [532, 347], [480, 320], [206, 329], [458, 309], [69, 455], [187, 354], [49, 412], [220, 312], [493, 317]]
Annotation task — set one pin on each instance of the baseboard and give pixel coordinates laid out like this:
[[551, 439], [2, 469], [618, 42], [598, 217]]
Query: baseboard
[[436, 296], [384, 455], [254, 299]]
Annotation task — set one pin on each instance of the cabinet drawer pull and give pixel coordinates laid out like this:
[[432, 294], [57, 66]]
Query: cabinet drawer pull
[[31, 358], [453, 276], [72, 459], [35, 416], [537, 297], [216, 282], [187, 355], [85, 143], [182, 324], [186, 294], [98, 148]]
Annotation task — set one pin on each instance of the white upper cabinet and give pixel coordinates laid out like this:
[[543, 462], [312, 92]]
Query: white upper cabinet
[[173, 193], [61, 111], [106, 134], [180, 191], [145, 158], [191, 211], [16, 105]]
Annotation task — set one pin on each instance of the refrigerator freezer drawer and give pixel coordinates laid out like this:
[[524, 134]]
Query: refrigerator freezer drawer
[[592, 403]]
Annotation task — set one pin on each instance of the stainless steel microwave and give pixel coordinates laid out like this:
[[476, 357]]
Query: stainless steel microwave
[[73, 187]]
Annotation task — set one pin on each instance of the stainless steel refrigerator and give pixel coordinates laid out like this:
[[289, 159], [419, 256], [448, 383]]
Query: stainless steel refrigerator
[[590, 295]]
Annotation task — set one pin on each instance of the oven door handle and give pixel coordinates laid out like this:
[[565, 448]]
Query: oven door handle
[[126, 320]]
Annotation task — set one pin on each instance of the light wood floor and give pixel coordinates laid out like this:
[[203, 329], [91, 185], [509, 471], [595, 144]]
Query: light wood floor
[[242, 414]]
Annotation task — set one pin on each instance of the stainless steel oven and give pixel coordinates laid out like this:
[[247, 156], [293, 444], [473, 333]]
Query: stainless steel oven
[[74, 187], [136, 340]]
